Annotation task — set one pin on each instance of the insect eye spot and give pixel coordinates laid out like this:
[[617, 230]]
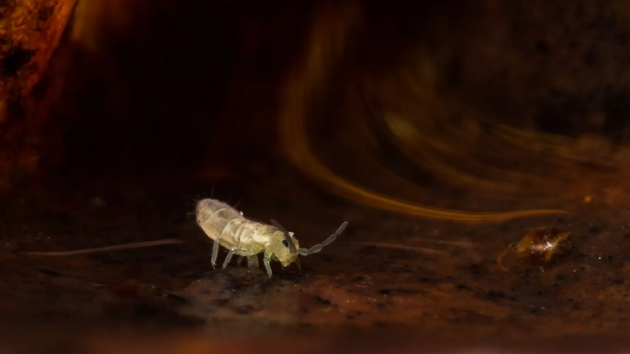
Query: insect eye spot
[[285, 243]]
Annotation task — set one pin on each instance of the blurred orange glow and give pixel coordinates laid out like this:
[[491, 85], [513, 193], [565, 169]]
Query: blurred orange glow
[[328, 36]]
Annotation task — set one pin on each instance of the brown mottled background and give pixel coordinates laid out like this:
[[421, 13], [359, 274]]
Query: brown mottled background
[[116, 115]]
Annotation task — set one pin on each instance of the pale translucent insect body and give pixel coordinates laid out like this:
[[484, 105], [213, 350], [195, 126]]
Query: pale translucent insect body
[[247, 238]]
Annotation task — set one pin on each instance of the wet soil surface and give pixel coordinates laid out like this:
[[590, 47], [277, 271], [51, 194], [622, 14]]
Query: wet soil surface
[[388, 276], [390, 282]]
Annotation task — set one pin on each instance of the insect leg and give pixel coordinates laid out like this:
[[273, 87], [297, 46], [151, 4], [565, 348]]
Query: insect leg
[[252, 262], [266, 260], [329, 240], [228, 258], [239, 260], [215, 253]]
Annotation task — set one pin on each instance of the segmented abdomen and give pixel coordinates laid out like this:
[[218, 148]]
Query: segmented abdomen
[[223, 223]]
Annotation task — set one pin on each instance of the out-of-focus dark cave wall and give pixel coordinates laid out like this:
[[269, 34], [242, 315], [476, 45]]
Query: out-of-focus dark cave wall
[[152, 98], [29, 34], [157, 89]]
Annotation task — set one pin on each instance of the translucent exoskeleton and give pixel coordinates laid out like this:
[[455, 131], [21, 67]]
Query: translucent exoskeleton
[[247, 238], [539, 246]]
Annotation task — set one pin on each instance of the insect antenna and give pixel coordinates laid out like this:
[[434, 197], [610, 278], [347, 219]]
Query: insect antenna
[[329, 240], [287, 236]]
